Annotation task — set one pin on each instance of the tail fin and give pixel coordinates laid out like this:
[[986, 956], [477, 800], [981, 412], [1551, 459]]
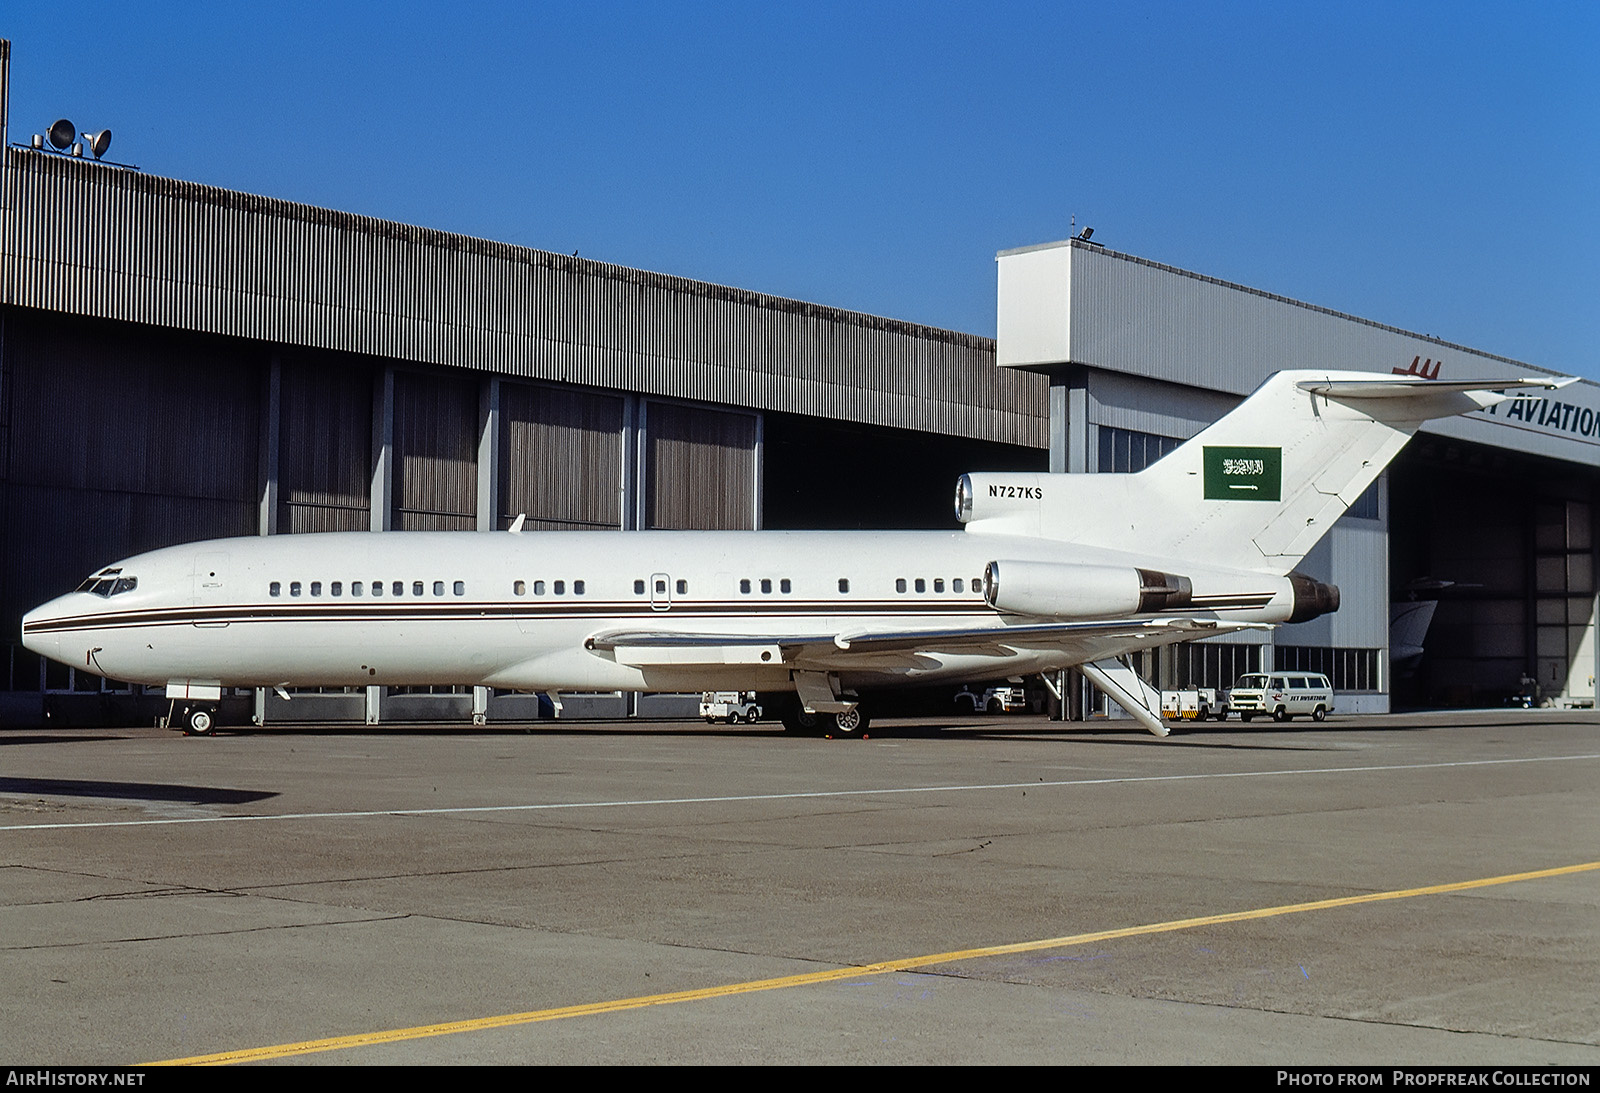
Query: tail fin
[[1255, 490]]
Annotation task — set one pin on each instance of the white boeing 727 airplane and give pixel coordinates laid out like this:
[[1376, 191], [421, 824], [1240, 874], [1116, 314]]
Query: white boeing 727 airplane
[[1050, 571]]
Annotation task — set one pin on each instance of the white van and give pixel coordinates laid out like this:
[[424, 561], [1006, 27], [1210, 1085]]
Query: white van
[[1282, 694]]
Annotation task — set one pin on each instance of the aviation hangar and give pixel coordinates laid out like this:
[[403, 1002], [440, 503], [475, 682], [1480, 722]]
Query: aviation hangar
[[182, 362]]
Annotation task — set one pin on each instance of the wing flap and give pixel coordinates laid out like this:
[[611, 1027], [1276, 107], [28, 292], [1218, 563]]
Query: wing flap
[[1077, 642]]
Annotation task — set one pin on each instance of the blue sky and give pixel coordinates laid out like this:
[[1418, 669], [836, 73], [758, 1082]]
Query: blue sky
[[1431, 166]]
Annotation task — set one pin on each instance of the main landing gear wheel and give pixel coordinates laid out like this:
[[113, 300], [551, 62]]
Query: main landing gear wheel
[[851, 722], [198, 721], [796, 719]]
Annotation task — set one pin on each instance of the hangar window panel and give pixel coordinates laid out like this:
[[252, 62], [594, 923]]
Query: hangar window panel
[[1365, 507], [562, 454], [436, 446], [324, 446], [1350, 670], [1212, 664], [701, 467], [1128, 451]]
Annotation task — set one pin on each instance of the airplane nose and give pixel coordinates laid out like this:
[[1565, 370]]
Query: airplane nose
[[47, 643]]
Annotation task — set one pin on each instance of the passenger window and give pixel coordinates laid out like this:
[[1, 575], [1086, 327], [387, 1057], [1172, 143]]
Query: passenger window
[[561, 588], [438, 588], [638, 588], [377, 588], [538, 588], [899, 584], [294, 588], [661, 588], [398, 588], [416, 588], [844, 584], [520, 588], [957, 585], [316, 588], [460, 588], [275, 589], [783, 585], [355, 588], [683, 588], [766, 584], [922, 585], [577, 588], [744, 586], [336, 588], [938, 584]]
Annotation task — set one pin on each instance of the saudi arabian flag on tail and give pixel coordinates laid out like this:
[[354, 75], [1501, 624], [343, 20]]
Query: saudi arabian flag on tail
[[1244, 474]]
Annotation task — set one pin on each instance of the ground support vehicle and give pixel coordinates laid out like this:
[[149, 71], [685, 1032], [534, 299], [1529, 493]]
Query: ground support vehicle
[[1195, 705], [731, 707], [1282, 695]]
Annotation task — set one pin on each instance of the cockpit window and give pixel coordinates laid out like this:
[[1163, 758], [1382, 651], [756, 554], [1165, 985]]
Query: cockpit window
[[107, 583]]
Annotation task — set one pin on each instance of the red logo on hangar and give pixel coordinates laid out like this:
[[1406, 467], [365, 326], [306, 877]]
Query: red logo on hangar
[[1425, 369]]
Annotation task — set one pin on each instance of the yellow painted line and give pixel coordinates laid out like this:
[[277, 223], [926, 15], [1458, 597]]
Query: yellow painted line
[[479, 1024]]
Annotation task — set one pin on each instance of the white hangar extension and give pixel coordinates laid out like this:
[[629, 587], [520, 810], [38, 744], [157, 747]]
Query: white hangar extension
[[183, 363]]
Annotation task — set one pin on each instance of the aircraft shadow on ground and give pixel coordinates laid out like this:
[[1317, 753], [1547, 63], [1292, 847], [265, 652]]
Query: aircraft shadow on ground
[[51, 738], [132, 791]]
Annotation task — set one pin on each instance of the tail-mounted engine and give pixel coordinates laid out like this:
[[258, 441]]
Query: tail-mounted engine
[[1054, 590], [1311, 598]]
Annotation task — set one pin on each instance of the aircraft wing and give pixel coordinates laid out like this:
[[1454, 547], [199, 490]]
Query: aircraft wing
[[1076, 642]]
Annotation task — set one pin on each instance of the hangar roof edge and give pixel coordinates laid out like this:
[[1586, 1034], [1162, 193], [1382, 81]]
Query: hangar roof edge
[[201, 192], [1078, 244]]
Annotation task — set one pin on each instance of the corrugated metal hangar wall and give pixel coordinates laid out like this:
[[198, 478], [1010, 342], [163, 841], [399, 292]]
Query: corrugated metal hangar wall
[[1499, 508], [180, 362]]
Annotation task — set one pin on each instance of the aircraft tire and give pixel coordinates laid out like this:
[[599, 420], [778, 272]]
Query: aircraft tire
[[796, 719], [198, 721], [851, 722]]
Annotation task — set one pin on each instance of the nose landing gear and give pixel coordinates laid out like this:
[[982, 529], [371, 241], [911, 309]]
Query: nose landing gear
[[193, 720]]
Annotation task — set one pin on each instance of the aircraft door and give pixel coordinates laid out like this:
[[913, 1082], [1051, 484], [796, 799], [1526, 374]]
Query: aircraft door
[[660, 592], [210, 577]]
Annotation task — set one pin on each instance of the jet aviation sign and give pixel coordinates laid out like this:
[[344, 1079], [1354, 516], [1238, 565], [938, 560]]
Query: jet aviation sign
[[1550, 414], [1532, 412], [1243, 474]]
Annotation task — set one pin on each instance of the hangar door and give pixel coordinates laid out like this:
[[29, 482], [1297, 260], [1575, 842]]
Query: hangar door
[[700, 467], [563, 458]]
